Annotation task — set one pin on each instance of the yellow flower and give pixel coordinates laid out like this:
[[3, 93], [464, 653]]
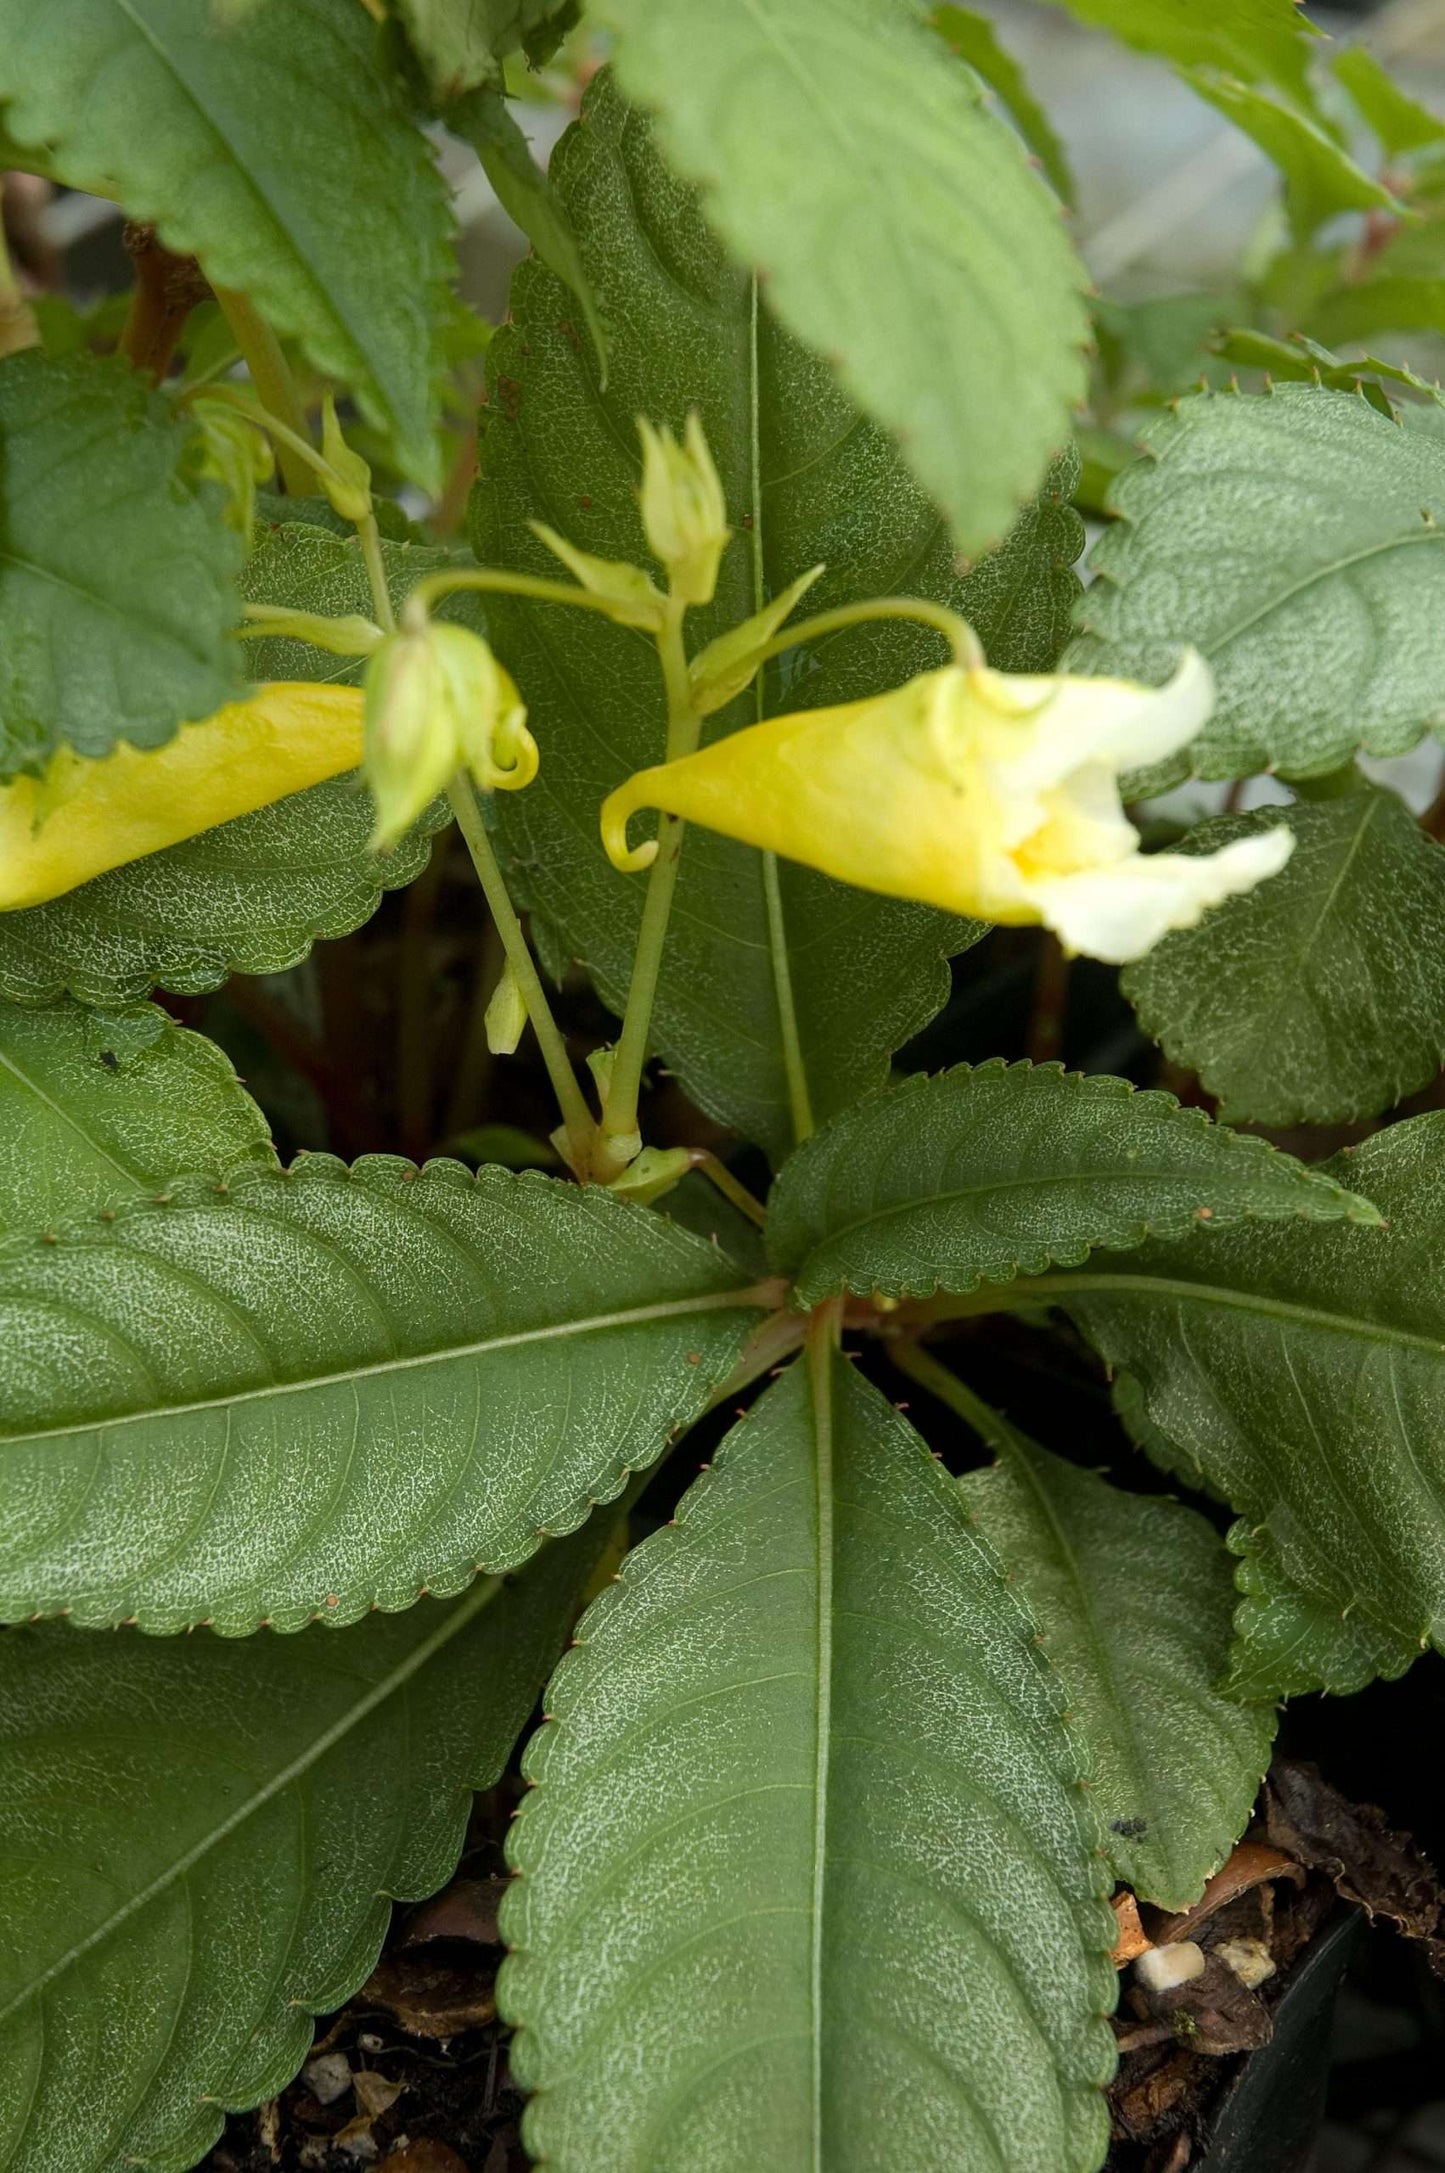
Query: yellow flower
[[82, 817], [983, 793], [437, 701]]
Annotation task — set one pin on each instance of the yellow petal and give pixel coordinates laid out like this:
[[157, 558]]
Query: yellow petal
[[284, 738], [863, 792]]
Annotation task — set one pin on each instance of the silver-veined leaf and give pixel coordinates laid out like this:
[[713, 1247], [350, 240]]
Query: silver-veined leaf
[[987, 1172], [1134, 1599], [806, 1875], [320, 1391], [202, 1839], [1320, 996], [100, 1107], [1297, 539]]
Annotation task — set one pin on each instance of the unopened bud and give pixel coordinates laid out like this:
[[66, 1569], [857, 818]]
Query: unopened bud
[[684, 513], [411, 747], [631, 596], [506, 1015], [348, 485], [437, 701]]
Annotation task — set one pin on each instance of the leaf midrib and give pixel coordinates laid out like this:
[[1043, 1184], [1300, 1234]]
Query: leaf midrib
[[465, 1611], [250, 181], [750, 1296], [1215, 642], [1044, 1289], [892, 1210]]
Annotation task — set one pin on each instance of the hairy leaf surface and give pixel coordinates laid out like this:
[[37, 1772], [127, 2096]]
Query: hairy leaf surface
[[330, 1389], [272, 145], [895, 221], [1298, 539], [1134, 1598], [997, 1170], [806, 1877], [758, 951], [96, 1108], [117, 589], [251, 896], [203, 1838], [1320, 996], [1299, 1374]]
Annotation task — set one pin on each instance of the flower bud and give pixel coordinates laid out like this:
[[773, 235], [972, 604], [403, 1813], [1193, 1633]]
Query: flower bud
[[437, 701], [506, 1015], [632, 598], [411, 743], [348, 486], [684, 514]]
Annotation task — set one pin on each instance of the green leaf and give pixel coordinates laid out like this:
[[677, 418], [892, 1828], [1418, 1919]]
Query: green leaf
[[806, 479], [249, 897], [1321, 179], [528, 198], [1295, 538], [981, 1174], [1302, 358], [97, 1108], [1320, 997], [894, 219], [1400, 122], [1391, 302], [1133, 1598], [117, 588], [806, 1862], [307, 568], [275, 148], [1255, 40], [975, 40], [1299, 1374], [203, 1839], [462, 43], [326, 1390]]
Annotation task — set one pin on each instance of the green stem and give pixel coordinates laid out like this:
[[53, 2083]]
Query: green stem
[[370, 536], [492, 581], [795, 1069], [275, 386], [18, 328], [912, 1359], [717, 1173], [290, 444], [576, 1116], [962, 640], [620, 1136]]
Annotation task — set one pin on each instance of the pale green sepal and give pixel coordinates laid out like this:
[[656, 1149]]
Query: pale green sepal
[[726, 666]]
